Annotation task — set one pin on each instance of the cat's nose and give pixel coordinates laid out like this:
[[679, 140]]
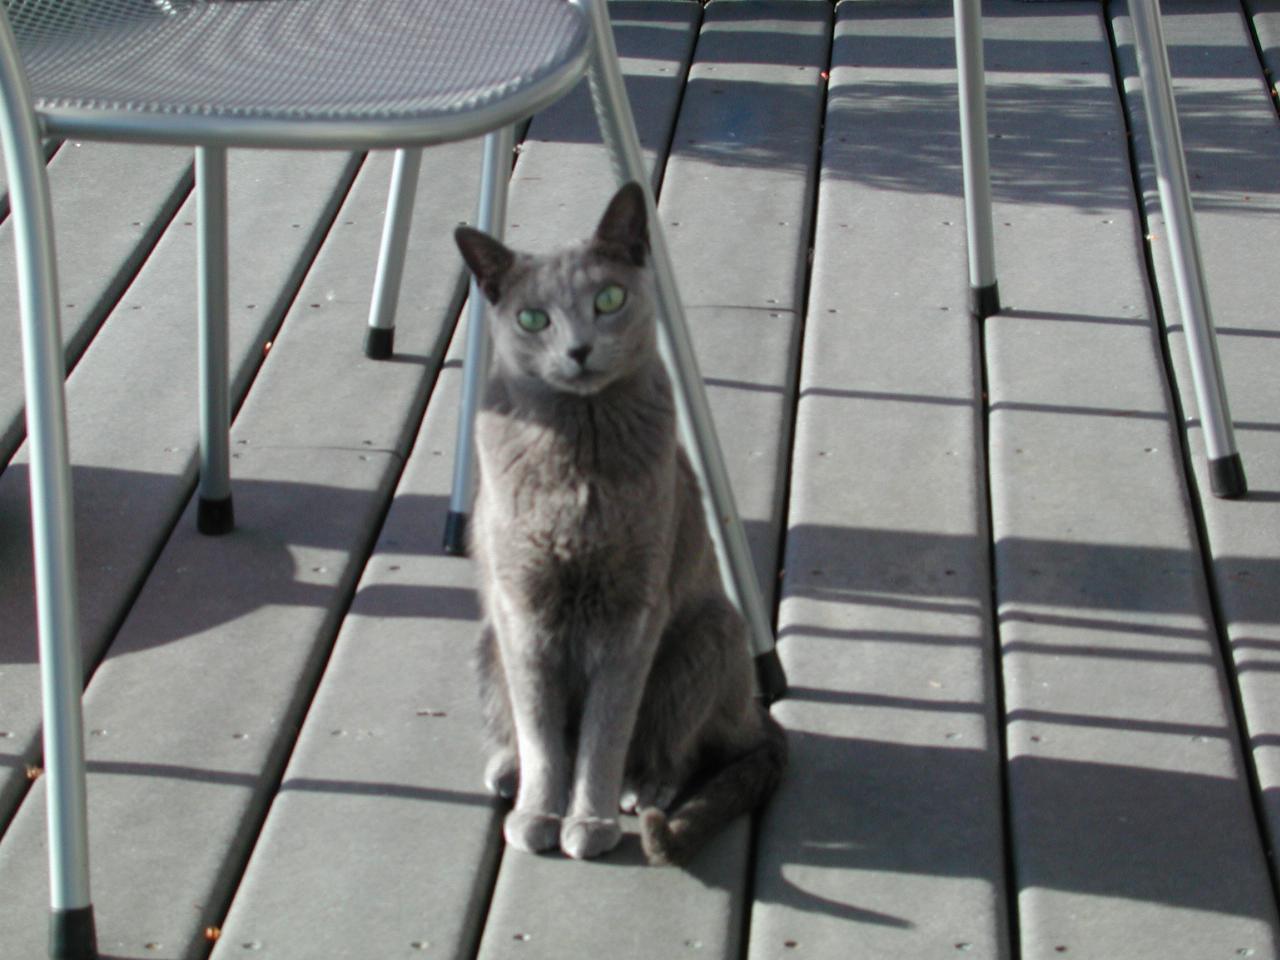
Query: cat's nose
[[580, 353]]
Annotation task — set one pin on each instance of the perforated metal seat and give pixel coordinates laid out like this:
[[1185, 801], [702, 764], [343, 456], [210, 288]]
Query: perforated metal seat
[[314, 73]]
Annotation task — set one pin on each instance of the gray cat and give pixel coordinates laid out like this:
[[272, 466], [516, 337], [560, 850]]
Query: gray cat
[[614, 670]]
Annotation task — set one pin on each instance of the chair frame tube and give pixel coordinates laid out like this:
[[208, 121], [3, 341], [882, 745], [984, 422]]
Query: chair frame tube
[[379, 338], [1225, 468], [214, 514], [491, 217], [61, 670], [618, 129], [984, 297]]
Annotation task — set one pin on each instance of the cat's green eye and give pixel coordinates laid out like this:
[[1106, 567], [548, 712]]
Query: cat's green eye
[[610, 299], [533, 320]]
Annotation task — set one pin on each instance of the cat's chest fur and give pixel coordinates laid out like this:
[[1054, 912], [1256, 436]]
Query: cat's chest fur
[[574, 505]]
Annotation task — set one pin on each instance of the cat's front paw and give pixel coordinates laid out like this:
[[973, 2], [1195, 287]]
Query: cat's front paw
[[502, 774], [586, 837], [648, 793], [530, 831]]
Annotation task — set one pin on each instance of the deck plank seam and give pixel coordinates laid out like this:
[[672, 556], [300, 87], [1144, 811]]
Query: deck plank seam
[[1013, 925], [788, 451], [123, 280], [234, 865], [283, 305], [112, 294], [662, 151], [1012, 919], [489, 884], [235, 868], [35, 756], [1191, 488]]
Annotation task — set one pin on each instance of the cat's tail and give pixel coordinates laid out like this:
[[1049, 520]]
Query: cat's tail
[[738, 787]]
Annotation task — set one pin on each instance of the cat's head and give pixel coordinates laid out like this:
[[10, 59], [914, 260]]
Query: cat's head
[[576, 320]]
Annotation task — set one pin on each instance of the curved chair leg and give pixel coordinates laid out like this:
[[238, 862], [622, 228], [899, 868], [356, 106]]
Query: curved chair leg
[[617, 127], [491, 217], [71, 923], [379, 338], [1226, 470], [984, 293], [214, 513]]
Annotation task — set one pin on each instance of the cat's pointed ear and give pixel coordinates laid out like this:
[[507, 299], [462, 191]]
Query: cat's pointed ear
[[623, 232], [488, 259]]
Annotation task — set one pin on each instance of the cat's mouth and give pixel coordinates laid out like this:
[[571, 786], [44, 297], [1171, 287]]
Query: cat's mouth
[[581, 380]]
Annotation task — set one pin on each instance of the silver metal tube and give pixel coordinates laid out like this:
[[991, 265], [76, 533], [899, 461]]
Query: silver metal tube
[[215, 390], [617, 126], [1184, 246], [61, 673], [491, 217], [973, 143], [395, 237]]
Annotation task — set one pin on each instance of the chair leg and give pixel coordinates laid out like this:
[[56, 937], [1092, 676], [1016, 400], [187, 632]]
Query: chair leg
[[617, 127], [214, 512], [491, 217], [1226, 470], [71, 920], [984, 293], [379, 337]]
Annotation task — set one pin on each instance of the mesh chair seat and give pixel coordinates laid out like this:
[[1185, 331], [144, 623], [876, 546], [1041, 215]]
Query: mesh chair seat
[[284, 73]]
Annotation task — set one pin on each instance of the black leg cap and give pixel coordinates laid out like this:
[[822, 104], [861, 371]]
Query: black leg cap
[[215, 517], [72, 935], [378, 343], [455, 534], [1226, 477], [984, 301], [771, 677]]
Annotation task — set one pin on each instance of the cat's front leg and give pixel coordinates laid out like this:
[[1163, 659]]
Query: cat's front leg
[[538, 712], [608, 719], [502, 770]]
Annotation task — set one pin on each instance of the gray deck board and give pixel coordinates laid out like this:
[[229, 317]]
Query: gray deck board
[[1127, 790], [755, 64], [102, 238], [643, 912], [183, 754], [133, 437], [887, 833], [380, 793], [1236, 192], [416, 733], [182, 776], [737, 207], [1032, 707], [381, 836]]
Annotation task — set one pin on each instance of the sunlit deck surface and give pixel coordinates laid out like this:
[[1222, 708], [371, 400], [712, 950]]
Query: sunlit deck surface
[[1034, 666]]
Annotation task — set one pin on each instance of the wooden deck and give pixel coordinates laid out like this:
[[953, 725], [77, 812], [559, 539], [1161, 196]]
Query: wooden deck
[[1035, 668]]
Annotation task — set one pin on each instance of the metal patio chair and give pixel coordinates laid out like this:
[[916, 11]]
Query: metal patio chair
[[1226, 471], [359, 74], [345, 74]]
